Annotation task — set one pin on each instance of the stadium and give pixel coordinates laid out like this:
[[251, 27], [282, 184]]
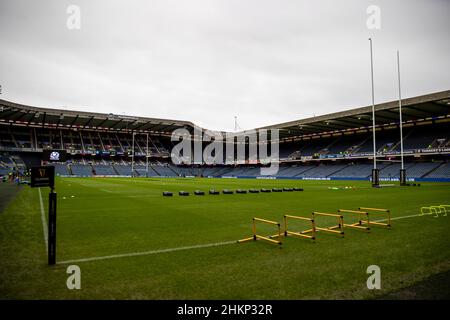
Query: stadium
[[330, 147], [112, 214], [124, 181]]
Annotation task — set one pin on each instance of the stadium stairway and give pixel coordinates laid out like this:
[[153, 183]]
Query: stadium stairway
[[103, 170], [173, 170], [122, 170], [115, 171], [303, 172], [420, 170], [164, 171], [336, 171], [442, 171], [141, 171], [62, 169], [81, 170]]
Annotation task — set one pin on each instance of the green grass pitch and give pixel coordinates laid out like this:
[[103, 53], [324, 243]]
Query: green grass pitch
[[132, 224]]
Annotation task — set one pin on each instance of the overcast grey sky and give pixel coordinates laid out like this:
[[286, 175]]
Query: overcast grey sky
[[206, 61]]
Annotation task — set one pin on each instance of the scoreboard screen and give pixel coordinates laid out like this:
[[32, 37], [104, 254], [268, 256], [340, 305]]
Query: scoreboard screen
[[54, 155]]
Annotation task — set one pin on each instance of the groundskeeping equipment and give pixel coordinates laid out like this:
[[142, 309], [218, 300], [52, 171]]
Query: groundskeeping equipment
[[361, 224], [378, 210], [260, 237]]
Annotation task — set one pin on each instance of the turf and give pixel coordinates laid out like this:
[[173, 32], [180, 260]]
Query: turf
[[7, 192], [100, 217]]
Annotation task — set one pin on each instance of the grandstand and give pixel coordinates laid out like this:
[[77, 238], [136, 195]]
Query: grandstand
[[105, 218], [333, 146]]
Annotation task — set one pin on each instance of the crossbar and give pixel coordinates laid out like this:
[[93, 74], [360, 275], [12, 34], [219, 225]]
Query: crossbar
[[297, 217], [352, 211], [266, 221], [373, 209], [327, 214]]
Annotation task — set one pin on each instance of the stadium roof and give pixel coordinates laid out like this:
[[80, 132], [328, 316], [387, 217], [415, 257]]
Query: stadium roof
[[15, 113], [427, 107]]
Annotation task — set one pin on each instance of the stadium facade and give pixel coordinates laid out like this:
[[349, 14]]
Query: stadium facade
[[332, 146]]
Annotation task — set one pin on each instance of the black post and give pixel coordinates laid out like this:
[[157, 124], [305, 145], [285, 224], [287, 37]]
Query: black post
[[375, 178], [52, 227], [403, 177]]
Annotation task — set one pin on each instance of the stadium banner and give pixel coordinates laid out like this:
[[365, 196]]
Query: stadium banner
[[432, 179], [434, 150], [289, 178], [350, 178]]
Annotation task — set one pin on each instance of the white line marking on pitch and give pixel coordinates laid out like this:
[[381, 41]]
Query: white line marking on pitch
[[217, 244], [144, 253], [405, 217], [44, 222]]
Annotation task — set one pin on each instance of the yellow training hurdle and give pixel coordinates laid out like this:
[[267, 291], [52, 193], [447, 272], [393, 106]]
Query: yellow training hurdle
[[332, 229], [257, 236], [428, 210], [446, 208], [443, 209], [300, 233], [372, 210], [359, 224], [363, 223]]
